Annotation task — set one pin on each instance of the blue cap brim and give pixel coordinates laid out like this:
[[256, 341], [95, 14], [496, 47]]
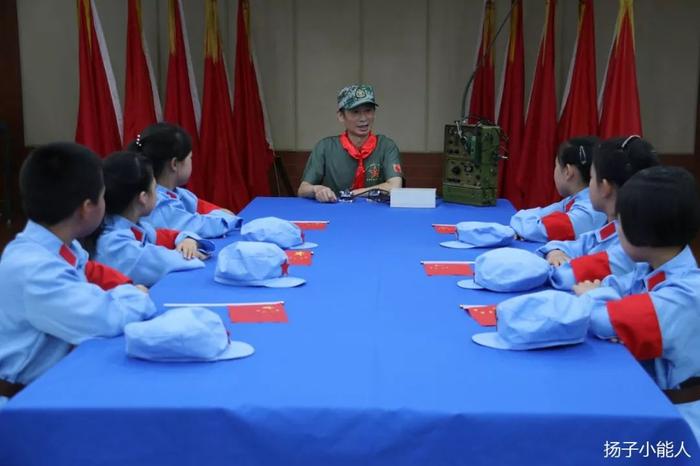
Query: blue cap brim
[[490, 339], [494, 340], [235, 350], [469, 284], [457, 245], [305, 245], [280, 282]]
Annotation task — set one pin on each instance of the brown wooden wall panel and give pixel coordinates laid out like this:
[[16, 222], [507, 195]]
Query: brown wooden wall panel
[[424, 170]]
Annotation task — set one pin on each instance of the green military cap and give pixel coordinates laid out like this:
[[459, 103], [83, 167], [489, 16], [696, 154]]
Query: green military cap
[[350, 97]]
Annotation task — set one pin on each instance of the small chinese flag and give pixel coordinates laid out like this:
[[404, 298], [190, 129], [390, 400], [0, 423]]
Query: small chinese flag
[[484, 315], [311, 225], [445, 229], [433, 268], [258, 312], [299, 257]]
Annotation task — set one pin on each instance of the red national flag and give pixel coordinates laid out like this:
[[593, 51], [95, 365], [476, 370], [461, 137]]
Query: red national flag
[[311, 224], [445, 229], [579, 112], [481, 104], [539, 147], [620, 114], [299, 257], [258, 312], [141, 103], [511, 108], [433, 268], [181, 98], [219, 162], [248, 117], [483, 314], [99, 113]]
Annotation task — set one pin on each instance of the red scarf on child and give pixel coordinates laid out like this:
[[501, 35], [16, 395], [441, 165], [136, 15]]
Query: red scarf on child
[[360, 155]]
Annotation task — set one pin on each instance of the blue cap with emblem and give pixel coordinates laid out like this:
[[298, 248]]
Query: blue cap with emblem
[[283, 233], [181, 335], [480, 235], [507, 270], [252, 263], [538, 320]]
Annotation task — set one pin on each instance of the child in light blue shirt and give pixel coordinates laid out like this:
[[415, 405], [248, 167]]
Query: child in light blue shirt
[[169, 148], [655, 310], [130, 244], [572, 216], [47, 305]]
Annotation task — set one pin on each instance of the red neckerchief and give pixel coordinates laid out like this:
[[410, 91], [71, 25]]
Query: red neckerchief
[[360, 155]]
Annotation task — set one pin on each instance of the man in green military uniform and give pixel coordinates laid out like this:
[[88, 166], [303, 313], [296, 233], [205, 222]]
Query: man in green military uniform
[[358, 159]]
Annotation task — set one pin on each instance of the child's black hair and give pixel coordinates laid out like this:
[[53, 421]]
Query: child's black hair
[[617, 159], [126, 175], [660, 207], [160, 143], [56, 179], [579, 153]]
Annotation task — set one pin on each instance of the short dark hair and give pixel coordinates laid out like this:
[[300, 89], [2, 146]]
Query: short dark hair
[[578, 152], [617, 159], [56, 179], [162, 142], [126, 175], [660, 207]]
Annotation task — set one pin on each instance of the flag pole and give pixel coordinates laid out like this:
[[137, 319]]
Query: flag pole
[[479, 63]]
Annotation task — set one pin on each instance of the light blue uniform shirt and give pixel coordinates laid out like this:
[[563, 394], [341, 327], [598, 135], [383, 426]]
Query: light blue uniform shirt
[[588, 243], [528, 224], [178, 210], [48, 306], [131, 248], [676, 301], [592, 242]]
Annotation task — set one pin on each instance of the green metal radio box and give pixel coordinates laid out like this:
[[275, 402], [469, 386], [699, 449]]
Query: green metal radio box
[[470, 175]]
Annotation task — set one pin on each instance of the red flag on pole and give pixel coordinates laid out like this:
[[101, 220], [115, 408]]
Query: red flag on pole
[[248, 117], [218, 161], [620, 112], [481, 103], [141, 103], [579, 112], [540, 138], [99, 125], [511, 108], [181, 98]]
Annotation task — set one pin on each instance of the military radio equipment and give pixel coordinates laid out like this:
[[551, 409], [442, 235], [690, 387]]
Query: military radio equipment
[[471, 164]]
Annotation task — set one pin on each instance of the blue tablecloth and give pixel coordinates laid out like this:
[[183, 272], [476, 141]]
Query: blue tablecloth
[[375, 367]]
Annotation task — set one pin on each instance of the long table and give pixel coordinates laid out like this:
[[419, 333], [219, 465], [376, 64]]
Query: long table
[[375, 367]]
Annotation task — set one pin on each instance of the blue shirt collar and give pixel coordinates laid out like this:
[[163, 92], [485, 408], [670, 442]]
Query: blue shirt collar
[[119, 222], [167, 193], [683, 261], [45, 237]]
